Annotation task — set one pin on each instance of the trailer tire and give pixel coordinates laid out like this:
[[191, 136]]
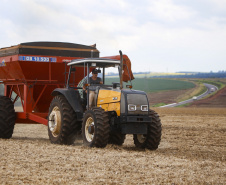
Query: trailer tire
[[152, 139], [63, 126], [117, 138], [7, 117], [95, 128]]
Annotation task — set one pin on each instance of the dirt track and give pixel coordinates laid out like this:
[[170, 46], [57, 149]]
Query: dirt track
[[167, 97], [193, 150]]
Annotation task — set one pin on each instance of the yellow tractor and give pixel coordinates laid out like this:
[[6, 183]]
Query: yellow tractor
[[116, 112]]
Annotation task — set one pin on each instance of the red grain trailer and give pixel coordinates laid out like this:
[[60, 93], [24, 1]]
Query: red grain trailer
[[32, 71]]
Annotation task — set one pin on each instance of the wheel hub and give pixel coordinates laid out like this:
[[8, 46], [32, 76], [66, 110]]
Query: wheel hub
[[141, 138], [89, 129], [55, 121]]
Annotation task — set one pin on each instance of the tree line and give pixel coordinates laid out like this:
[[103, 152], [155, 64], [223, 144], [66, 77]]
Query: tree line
[[196, 75]]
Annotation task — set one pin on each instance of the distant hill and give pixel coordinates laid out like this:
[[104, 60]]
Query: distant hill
[[198, 75], [146, 74], [183, 74]]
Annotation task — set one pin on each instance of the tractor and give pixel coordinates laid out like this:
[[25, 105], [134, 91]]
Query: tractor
[[117, 111]]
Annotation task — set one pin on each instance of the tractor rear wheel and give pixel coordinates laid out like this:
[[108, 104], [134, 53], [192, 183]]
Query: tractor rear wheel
[[63, 126], [7, 117], [117, 138], [95, 128], [152, 139]]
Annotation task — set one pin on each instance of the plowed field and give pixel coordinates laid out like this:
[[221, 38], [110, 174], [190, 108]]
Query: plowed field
[[217, 100], [192, 151]]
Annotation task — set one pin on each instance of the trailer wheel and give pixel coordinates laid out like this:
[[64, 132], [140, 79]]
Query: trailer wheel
[[95, 128], [152, 139], [117, 138], [7, 117], [63, 126]]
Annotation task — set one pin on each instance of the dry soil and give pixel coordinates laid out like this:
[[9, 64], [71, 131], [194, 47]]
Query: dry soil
[[192, 151]]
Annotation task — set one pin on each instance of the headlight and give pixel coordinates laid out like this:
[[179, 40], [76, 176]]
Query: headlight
[[132, 107], [144, 108]]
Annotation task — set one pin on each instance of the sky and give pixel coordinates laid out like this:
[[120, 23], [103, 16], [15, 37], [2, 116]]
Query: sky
[[157, 35]]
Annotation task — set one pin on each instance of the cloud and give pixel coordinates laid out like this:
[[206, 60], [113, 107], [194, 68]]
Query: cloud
[[219, 5], [154, 34], [167, 10]]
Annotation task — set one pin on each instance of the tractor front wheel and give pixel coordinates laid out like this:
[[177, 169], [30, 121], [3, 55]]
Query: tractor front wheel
[[7, 117], [152, 139], [63, 126], [95, 128]]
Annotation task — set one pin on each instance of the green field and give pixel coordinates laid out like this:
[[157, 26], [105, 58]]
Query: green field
[[155, 85], [149, 84], [153, 74]]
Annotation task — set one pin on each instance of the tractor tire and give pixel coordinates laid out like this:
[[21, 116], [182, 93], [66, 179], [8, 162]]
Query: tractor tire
[[152, 139], [117, 138], [63, 126], [7, 117], [95, 128]]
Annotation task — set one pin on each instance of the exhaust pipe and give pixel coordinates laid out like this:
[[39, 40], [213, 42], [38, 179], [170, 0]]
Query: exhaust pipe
[[120, 69]]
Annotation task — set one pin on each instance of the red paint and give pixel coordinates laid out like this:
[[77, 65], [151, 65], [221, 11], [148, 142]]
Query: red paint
[[34, 82]]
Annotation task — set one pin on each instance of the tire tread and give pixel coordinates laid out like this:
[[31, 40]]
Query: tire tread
[[7, 117]]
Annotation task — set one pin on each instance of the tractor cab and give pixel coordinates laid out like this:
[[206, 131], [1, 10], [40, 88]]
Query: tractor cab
[[87, 85]]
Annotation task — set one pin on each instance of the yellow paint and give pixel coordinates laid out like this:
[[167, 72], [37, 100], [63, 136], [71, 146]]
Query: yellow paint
[[109, 100], [108, 96], [114, 107], [104, 106]]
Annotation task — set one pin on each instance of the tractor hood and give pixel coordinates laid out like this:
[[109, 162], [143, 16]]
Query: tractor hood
[[134, 102]]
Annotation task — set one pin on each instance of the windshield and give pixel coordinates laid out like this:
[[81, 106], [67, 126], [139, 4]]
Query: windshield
[[111, 75]]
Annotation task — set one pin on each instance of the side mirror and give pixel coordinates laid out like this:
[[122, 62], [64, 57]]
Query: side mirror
[[115, 85], [129, 86]]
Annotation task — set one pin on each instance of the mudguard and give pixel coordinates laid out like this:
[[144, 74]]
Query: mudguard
[[73, 99]]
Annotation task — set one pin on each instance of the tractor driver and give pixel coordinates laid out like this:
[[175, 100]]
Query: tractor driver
[[93, 80]]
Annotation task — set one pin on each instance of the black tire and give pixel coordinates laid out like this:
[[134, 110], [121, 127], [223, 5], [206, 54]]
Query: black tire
[[63, 126], [7, 117], [116, 138], [95, 128], [152, 139]]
